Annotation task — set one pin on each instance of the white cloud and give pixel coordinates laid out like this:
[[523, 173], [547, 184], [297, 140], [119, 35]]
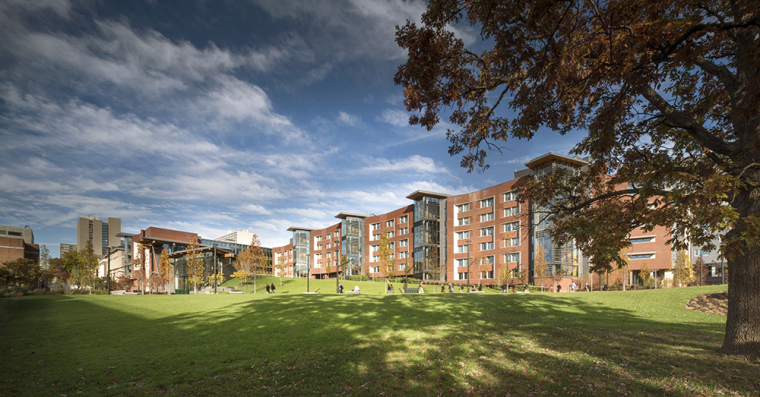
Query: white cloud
[[348, 119], [241, 101], [256, 209], [396, 118], [413, 164]]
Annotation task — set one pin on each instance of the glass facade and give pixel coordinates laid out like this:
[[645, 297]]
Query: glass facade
[[563, 260], [301, 252], [352, 238], [427, 238]]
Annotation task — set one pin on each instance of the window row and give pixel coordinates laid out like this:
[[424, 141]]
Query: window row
[[487, 202]]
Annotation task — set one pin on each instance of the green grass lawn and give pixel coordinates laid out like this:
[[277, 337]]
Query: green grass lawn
[[598, 344]]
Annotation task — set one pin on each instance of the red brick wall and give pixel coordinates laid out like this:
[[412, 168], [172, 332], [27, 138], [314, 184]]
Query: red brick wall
[[328, 236], [397, 228], [499, 250]]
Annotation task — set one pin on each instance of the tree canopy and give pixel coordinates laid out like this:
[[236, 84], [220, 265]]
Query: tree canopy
[[667, 91]]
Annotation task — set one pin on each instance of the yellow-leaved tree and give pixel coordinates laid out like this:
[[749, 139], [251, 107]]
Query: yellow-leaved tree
[[251, 261], [166, 269], [683, 271], [195, 265], [540, 265]]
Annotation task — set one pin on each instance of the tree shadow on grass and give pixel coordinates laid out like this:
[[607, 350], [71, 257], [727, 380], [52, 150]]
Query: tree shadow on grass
[[396, 345]]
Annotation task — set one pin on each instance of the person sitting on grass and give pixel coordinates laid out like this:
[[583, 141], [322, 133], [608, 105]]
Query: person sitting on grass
[[356, 289]]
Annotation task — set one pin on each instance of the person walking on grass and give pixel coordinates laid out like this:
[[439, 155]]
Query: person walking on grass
[[267, 288], [272, 288]]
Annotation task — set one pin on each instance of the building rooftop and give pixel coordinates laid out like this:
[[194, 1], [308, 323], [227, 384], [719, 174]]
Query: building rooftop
[[294, 228], [418, 194], [343, 215], [556, 156]]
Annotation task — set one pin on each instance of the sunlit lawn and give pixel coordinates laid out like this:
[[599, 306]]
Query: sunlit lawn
[[600, 343]]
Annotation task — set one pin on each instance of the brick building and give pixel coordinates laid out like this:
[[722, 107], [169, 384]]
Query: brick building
[[16, 243], [466, 238]]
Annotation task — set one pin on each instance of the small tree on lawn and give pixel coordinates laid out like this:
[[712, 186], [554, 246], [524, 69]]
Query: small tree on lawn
[[251, 260], [339, 267], [280, 266], [166, 269], [505, 275], [387, 263], [646, 276], [88, 266], [195, 265], [623, 264], [683, 271], [540, 265], [408, 269]]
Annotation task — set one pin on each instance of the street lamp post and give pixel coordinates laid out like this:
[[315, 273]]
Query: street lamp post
[[215, 269]]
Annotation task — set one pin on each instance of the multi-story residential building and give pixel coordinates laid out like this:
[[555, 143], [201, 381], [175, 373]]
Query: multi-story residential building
[[470, 238], [101, 234]]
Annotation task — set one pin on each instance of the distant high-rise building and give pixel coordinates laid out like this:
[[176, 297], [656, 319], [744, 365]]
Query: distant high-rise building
[[101, 234], [67, 248], [237, 237]]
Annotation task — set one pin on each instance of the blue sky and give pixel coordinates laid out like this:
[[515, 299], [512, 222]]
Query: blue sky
[[209, 116]]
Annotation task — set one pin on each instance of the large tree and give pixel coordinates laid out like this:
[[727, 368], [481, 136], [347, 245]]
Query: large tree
[[668, 94]]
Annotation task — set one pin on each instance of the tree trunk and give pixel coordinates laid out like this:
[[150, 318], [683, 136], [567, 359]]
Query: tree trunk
[[743, 319]]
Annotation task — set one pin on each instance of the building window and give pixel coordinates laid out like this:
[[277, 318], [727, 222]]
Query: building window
[[512, 226], [510, 196], [463, 207], [374, 258], [374, 248], [391, 234], [463, 235], [392, 246], [511, 242], [489, 260], [464, 221], [642, 256], [512, 257], [318, 238], [486, 275], [403, 219], [375, 226], [486, 203], [486, 231], [463, 248], [328, 255], [403, 230], [641, 240], [336, 234], [319, 256], [375, 237], [462, 262], [390, 223], [463, 276], [486, 217], [403, 255], [402, 266], [486, 246], [319, 247], [327, 246], [403, 243], [511, 211], [375, 269]]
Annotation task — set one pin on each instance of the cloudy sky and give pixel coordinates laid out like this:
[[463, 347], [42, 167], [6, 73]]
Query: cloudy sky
[[209, 116]]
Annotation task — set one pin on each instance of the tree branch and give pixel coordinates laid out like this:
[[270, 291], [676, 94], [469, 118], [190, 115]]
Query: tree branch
[[681, 120]]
